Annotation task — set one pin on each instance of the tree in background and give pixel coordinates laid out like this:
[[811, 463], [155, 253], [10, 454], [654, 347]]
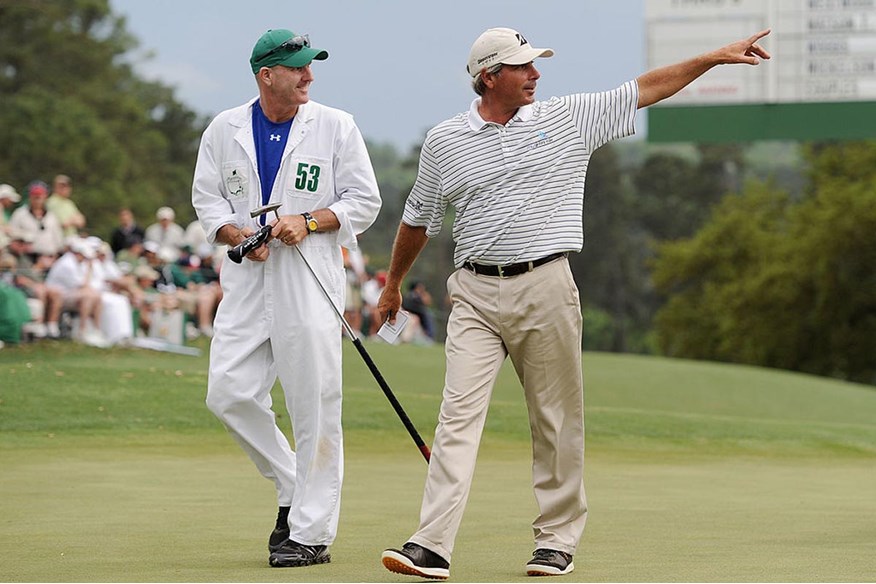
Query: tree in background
[[676, 194], [70, 104], [608, 270], [776, 282]]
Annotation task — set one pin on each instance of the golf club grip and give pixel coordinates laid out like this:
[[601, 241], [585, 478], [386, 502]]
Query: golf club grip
[[239, 251], [424, 450]]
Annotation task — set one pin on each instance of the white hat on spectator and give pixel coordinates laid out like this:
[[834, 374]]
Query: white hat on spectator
[[142, 271], [165, 213], [151, 246], [82, 247], [167, 255], [7, 192]]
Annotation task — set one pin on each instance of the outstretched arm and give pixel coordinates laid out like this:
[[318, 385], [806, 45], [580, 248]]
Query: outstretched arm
[[658, 84]]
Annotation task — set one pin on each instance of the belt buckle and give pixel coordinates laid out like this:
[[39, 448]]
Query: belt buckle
[[501, 273]]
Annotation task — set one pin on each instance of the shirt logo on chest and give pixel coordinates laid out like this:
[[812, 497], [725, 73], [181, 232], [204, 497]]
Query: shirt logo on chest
[[276, 137], [543, 139]]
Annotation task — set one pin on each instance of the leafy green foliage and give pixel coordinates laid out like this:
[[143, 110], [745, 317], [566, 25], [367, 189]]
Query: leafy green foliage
[[770, 281], [70, 104]]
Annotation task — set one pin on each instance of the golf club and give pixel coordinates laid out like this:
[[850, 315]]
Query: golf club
[[239, 251], [399, 410]]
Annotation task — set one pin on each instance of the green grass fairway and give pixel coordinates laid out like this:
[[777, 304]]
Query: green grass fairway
[[112, 470]]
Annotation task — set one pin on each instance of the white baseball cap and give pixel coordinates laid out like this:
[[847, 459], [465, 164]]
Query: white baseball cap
[[7, 192], [82, 247], [502, 45], [165, 213]]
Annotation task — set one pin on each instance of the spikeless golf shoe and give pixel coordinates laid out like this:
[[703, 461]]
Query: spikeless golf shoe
[[415, 560], [547, 562]]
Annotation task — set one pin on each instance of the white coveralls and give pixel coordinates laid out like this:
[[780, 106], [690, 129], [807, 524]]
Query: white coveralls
[[274, 321]]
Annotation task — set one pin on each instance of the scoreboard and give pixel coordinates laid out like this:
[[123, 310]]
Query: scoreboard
[[820, 83]]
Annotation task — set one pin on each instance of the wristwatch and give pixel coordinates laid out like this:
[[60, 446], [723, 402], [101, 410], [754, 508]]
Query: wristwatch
[[311, 223]]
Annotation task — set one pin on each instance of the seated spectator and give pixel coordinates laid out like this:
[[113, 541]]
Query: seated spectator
[[9, 198], [145, 278], [35, 219], [61, 205], [169, 236], [354, 272], [206, 277], [29, 276], [130, 258], [418, 302], [371, 289], [197, 291], [195, 236], [14, 312], [127, 233], [72, 274], [115, 288]]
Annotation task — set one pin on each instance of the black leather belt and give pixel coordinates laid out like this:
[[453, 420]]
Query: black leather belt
[[509, 270]]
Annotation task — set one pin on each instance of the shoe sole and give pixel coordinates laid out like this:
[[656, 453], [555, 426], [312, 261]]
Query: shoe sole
[[401, 564], [276, 563], [540, 570]]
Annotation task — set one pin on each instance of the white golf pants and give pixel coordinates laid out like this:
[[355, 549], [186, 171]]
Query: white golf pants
[[275, 322]]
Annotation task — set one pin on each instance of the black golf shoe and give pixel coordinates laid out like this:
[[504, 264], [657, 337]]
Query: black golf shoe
[[277, 538], [292, 554], [415, 560], [281, 530], [547, 562]]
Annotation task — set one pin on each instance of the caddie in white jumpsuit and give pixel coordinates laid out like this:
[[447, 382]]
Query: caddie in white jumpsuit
[[274, 321]]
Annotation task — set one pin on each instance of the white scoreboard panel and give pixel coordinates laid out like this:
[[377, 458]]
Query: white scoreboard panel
[[823, 50]]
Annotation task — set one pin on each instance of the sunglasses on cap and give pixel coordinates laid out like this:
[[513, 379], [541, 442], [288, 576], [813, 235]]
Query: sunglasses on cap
[[292, 45]]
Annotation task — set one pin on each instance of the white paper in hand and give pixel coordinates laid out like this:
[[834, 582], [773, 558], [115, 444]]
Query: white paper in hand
[[390, 332]]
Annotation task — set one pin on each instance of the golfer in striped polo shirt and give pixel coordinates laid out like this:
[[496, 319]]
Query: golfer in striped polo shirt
[[514, 169]]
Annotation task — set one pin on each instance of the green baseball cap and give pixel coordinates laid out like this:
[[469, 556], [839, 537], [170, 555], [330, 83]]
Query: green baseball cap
[[283, 47]]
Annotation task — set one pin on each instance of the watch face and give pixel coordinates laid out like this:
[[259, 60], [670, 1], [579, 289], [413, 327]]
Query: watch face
[[312, 225]]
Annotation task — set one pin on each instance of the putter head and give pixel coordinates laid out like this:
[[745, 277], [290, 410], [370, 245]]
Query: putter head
[[266, 209]]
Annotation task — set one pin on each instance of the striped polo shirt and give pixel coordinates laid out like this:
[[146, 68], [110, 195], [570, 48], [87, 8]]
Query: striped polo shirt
[[518, 189]]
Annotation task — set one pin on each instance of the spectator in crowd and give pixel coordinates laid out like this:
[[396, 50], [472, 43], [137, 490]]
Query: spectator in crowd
[[355, 276], [14, 312], [202, 282], [169, 236], [29, 275], [146, 278], [159, 260], [177, 290], [61, 205], [35, 219], [115, 291], [9, 198], [127, 233], [371, 289], [131, 257], [72, 274], [194, 236], [418, 302], [118, 276]]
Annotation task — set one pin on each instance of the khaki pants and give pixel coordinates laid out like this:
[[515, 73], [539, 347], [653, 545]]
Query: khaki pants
[[535, 318]]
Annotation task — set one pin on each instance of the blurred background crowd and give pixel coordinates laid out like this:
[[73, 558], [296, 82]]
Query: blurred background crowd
[[59, 280]]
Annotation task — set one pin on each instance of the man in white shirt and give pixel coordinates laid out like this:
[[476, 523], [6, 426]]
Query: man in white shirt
[[169, 236], [514, 169]]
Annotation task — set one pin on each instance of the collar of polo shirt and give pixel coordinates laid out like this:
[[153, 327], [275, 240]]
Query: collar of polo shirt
[[476, 122]]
